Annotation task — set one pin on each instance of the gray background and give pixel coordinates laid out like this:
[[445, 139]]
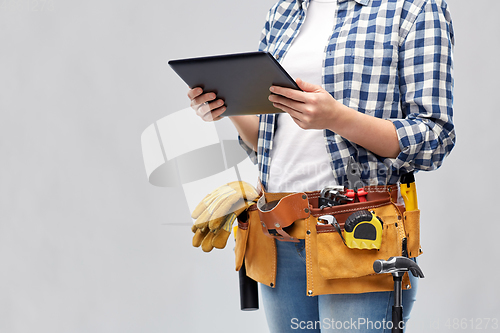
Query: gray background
[[85, 244]]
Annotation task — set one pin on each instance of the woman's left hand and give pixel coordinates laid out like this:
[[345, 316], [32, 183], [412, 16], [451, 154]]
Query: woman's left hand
[[312, 108]]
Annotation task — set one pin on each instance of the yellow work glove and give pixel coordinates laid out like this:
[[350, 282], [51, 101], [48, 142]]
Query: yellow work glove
[[216, 213]]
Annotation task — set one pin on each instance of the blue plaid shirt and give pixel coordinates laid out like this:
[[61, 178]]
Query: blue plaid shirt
[[391, 59]]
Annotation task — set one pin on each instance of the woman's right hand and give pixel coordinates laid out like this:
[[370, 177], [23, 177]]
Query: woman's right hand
[[206, 105]]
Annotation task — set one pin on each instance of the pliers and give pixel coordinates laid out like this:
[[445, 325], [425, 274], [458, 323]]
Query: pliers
[[330, 196], [355, 185]]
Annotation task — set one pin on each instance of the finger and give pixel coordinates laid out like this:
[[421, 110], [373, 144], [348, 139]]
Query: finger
[[289, 103], [214, 115], [286, 109], [308, 87], [202, 99], [195, 92], [199, 236], [296, 95], [220, 239], [217, 118], [296, 116], [206, 244], [206, 108]]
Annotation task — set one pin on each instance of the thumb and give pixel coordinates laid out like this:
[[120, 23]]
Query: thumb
[[307, 87]]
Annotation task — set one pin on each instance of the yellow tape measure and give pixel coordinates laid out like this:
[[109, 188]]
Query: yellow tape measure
[[363, 230]]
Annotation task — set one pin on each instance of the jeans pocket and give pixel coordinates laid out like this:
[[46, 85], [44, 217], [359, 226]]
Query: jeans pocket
[[301, 249]]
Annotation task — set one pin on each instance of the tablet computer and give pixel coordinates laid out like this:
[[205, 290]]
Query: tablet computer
[[242, 80]]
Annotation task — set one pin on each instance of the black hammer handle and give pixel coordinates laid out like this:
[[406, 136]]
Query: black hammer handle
[[249, 292]]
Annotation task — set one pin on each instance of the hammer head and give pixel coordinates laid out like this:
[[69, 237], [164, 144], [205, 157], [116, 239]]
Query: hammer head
[[397, 265]]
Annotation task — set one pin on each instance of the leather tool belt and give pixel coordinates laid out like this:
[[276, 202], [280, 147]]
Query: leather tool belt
[[331, 266]]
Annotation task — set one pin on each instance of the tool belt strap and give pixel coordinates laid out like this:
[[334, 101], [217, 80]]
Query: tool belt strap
[[279, 211]]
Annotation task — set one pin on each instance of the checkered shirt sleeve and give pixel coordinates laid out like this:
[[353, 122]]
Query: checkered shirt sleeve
[[426, 135]]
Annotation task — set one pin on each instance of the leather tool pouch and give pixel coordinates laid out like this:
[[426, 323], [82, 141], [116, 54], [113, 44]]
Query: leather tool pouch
[[257, 249], [277, 216], [331, 266]]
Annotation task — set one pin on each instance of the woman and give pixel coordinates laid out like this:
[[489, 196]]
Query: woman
[[377, 85]]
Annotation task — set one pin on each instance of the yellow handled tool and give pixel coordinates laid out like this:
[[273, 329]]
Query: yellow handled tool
[[409, 191]]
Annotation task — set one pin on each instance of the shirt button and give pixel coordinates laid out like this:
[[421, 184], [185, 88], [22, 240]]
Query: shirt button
[[277, 56], [300, 17]]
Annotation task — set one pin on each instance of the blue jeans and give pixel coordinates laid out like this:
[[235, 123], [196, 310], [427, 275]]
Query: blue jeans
[[288, 309]]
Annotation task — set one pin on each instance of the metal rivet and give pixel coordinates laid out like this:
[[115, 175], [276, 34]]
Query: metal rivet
[[396, 225], [277, 225], [306, 210], [310, 292], [407, 286], [272, 284], [304, 196], [308, 232], [263, 224], [399, 217]]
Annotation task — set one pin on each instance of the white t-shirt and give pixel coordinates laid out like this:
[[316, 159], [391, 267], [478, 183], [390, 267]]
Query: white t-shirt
[[299, 160]]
